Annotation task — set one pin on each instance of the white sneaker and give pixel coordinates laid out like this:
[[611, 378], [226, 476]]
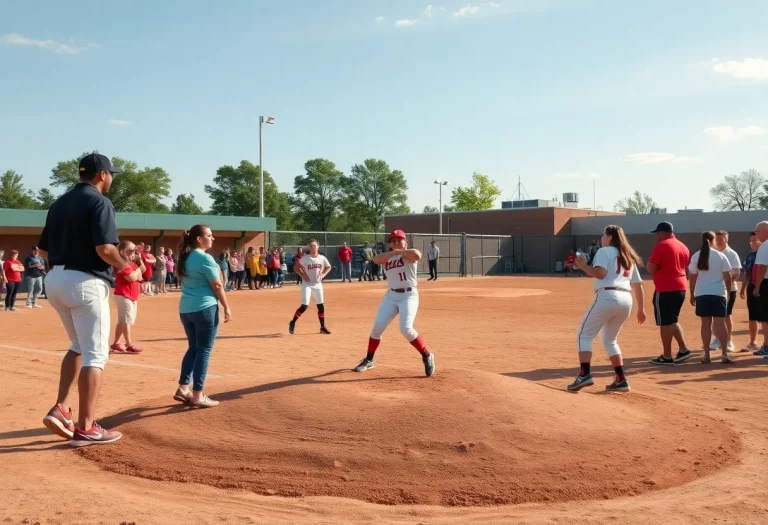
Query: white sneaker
[[731, 347], [29, 306], [36, 306], [715, 344]]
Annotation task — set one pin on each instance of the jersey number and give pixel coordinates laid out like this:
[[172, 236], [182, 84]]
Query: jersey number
[[402, 276]]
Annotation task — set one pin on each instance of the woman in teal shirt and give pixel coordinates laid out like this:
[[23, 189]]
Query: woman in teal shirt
[[202, 290]]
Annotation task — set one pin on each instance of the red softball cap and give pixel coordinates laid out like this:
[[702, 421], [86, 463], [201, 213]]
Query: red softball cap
[[397, 234]]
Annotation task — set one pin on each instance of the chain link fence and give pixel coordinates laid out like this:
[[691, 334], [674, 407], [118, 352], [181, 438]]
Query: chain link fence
[[460, 254]]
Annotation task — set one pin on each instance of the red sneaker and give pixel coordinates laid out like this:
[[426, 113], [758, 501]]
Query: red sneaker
[[117, 348], [60, 423], [132, 349], [95, 436]]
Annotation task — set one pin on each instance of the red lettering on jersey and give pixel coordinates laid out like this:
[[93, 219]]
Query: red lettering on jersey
[[314, 266], [394, 264], [618, 268]]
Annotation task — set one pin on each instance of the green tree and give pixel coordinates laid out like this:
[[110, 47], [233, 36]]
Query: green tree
[[235, 191], [743, 192], [431, 209], [373, 190], [481, 195], [133, 190], [186, 205], [45, 199], [319, 194], [637, 204], [13, 194]]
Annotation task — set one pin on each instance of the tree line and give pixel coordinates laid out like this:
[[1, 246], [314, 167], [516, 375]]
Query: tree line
[[745, 191], [323, 199]]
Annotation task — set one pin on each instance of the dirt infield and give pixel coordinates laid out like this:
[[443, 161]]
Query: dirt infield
[[492, 438]]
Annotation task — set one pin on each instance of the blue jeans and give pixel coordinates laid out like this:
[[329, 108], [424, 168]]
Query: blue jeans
[[201, 328]]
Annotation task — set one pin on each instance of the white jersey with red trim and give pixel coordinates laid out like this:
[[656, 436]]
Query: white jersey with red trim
[[313, 266], [400, 273]]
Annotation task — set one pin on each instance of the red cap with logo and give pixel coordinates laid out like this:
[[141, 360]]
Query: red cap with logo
[[397, 234]]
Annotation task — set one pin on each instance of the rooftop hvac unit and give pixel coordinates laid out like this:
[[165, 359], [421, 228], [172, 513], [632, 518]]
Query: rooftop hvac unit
[[571, 200], [658, 211], [506, 205]]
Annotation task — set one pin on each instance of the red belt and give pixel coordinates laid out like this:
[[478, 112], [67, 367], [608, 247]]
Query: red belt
[[401, 290], [614, 289]]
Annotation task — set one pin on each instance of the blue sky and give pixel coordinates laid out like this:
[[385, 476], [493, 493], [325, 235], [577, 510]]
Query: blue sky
[[665, 97]]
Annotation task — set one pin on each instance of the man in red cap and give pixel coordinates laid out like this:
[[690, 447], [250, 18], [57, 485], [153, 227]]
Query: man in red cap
[[402, 298]]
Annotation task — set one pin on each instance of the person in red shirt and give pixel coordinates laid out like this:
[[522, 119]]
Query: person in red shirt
[[668, 265], [126, 296], [570, 262], [12, 269], [345, 258], [149, 264]]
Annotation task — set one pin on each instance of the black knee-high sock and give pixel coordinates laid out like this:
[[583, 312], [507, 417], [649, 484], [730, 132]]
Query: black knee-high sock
[[585, 368], [619, 373], [301, 310], [321, 314]]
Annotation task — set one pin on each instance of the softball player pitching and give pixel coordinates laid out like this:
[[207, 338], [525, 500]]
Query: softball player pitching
[[402, 299], [312, 268], [616, 276]]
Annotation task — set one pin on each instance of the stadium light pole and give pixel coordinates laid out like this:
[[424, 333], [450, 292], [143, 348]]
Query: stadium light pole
[[441, 183], [262, 121]]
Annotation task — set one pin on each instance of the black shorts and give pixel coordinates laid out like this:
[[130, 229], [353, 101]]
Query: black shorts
[[731, 302], [711, 306], [666, 307], [753, 305]]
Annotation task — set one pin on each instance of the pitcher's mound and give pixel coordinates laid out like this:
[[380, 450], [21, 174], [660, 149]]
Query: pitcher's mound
[[389, 436]]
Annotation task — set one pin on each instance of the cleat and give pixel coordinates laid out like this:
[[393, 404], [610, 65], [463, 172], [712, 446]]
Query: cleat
[[365, 364], [429, 364], [580, 382], [291, 327], [324, 330]]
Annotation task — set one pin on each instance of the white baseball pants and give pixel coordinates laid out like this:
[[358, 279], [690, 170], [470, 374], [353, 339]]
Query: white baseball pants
[[606, 316], [406, 305], [82, 302], [316, 292]]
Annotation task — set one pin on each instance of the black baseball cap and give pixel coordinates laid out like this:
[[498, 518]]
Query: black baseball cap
[[664, 227], [93, 164]]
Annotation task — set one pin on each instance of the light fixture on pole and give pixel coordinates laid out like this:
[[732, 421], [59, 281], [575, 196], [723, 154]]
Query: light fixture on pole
[[441, 183], [262, 121]]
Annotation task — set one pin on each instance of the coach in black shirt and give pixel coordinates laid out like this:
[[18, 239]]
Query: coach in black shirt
[[80, 237]]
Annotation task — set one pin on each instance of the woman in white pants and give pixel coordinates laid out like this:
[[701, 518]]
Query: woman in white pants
[[616, 277]]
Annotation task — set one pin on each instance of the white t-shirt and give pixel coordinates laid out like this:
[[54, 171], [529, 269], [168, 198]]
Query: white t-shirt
[[616, 276], [762, 256], [735, 262], [710, 282], [400, 273], [433, 253], [313, 266]]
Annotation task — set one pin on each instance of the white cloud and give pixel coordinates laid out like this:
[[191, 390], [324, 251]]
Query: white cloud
[[380, 19], [731, 134], [755, 68], [406, 23], [467, 10], [118, 122], [659, 158], [15, 39], [429, 10], [575, 175]]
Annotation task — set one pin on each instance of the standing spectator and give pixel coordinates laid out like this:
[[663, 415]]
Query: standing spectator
[[253, 263], [126, 297], [721, 245], [433, 255], [753, 303], [34, 270], [170, 269], [367, 255], [592, 251], [263, 271], [274, 268], [377, 269], [201, 292], [161, 272], [233, 265], [3, 280], [761, 283], [296, 260], [283, 267], [240, 269], [149, 269], [80, 237], [223, 267], [667, 264], [345, 258], [570, 262], [12, 269], [249, 277], [710, 285]]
